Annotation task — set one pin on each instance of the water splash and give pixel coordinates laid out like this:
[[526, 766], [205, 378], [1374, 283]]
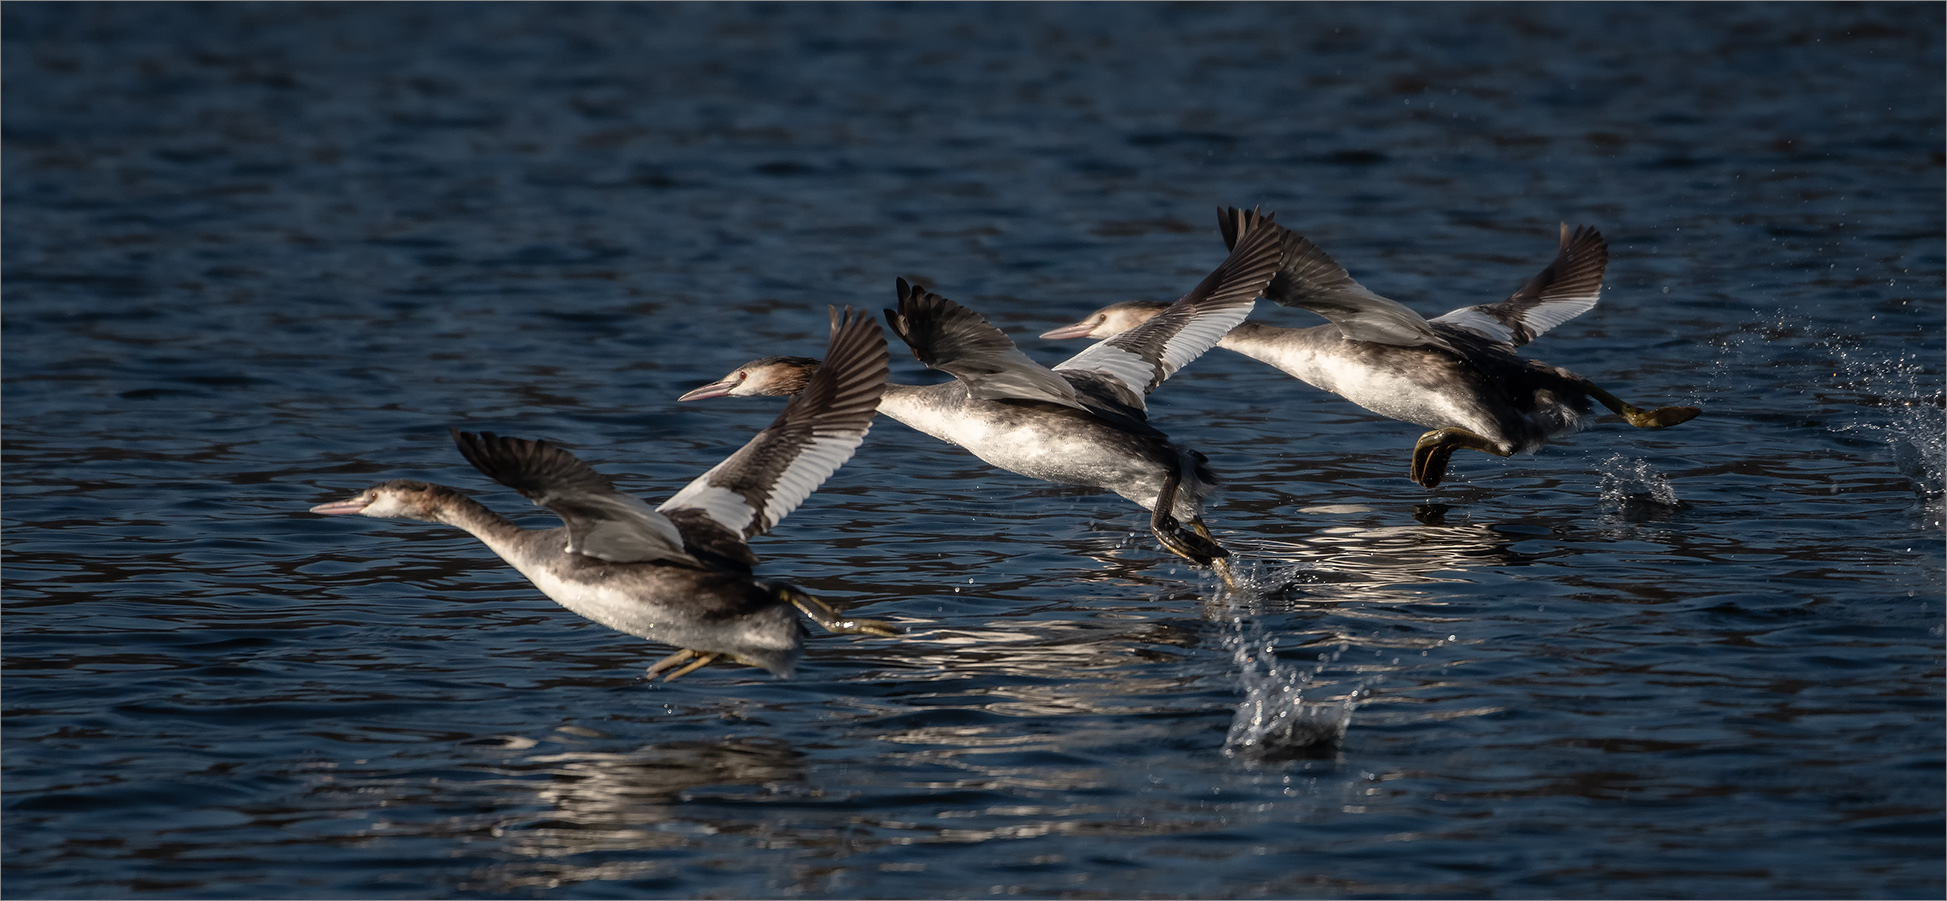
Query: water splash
[[1274, 722], [1900, 403], [1637, 489], [1894, 399], [1914, 430]]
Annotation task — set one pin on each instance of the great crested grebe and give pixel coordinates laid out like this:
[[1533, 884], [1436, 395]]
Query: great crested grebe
[[680, 573], [1457, 375], [1082, 422]]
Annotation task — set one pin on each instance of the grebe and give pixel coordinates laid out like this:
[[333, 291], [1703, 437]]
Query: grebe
[[679, 574], [1084, 421], [1457, 375]]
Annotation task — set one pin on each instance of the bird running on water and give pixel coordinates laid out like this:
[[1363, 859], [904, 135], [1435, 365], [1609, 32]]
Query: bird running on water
[[681, 573], [1082, 422], [1457, 375]]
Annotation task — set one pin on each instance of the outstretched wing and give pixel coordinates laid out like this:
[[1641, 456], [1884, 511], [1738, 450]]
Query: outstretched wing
[[754, 488], [602, 522], [960, 342], [1309, 279], [1142, 357], [1569, 286]]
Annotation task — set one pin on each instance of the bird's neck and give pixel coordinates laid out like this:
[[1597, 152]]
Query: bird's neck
[[494, 530], [1255, 339]]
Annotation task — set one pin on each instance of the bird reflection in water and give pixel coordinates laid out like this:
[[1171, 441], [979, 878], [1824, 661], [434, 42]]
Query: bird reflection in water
[[662, 797]]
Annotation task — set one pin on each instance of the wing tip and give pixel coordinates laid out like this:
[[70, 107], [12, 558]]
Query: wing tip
[[1235, 222], [845, 390]]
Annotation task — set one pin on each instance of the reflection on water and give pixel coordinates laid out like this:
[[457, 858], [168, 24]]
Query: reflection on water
[[256, 254], [1291, 710], [1287, 710], [659, 798], [562, 815], [1366, 545]]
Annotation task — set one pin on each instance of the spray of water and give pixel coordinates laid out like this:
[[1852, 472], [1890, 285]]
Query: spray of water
[[1901, 404], [1893, 398], [1628, 481], [1274, 722]]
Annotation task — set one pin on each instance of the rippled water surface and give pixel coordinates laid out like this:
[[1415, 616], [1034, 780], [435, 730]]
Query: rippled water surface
[[257, 257]]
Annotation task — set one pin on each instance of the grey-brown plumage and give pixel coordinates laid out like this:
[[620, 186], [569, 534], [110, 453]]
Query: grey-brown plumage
[[681, 573], [1084, 421], [1457, 374]]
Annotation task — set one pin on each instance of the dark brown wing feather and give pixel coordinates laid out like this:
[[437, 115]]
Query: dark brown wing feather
[[1310, 279], [754, 488], [1567, 287], [602, 522], [1144, 356], [960, 342]]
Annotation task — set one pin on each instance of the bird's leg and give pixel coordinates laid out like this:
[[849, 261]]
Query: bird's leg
[[1198, 549], [1435, 448], [677, 658], [1661, 417], [702, 660], [1220, 564], [671, 660], [823, 614]]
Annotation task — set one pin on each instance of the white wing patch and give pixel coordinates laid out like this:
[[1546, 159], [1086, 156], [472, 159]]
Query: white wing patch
[[744, 515], [1106, 358], [1197, 337], [1478, 322], [813, 465], [1528, 322], [1569, 286], [725, 507], [1557, 310], [818, 431], [1191, 340]]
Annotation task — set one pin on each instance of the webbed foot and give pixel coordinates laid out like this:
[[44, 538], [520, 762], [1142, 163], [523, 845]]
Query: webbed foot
[[1220, 564], [1430, 457], [1659, 418], [1199, 549], [824, 615], [1435, 449]]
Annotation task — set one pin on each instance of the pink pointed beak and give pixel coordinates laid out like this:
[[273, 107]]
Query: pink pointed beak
[[348, 505], [714, 389], [1078, 330]]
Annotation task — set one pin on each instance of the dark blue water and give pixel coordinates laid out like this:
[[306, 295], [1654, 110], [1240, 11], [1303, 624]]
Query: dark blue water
[[256, 257]]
